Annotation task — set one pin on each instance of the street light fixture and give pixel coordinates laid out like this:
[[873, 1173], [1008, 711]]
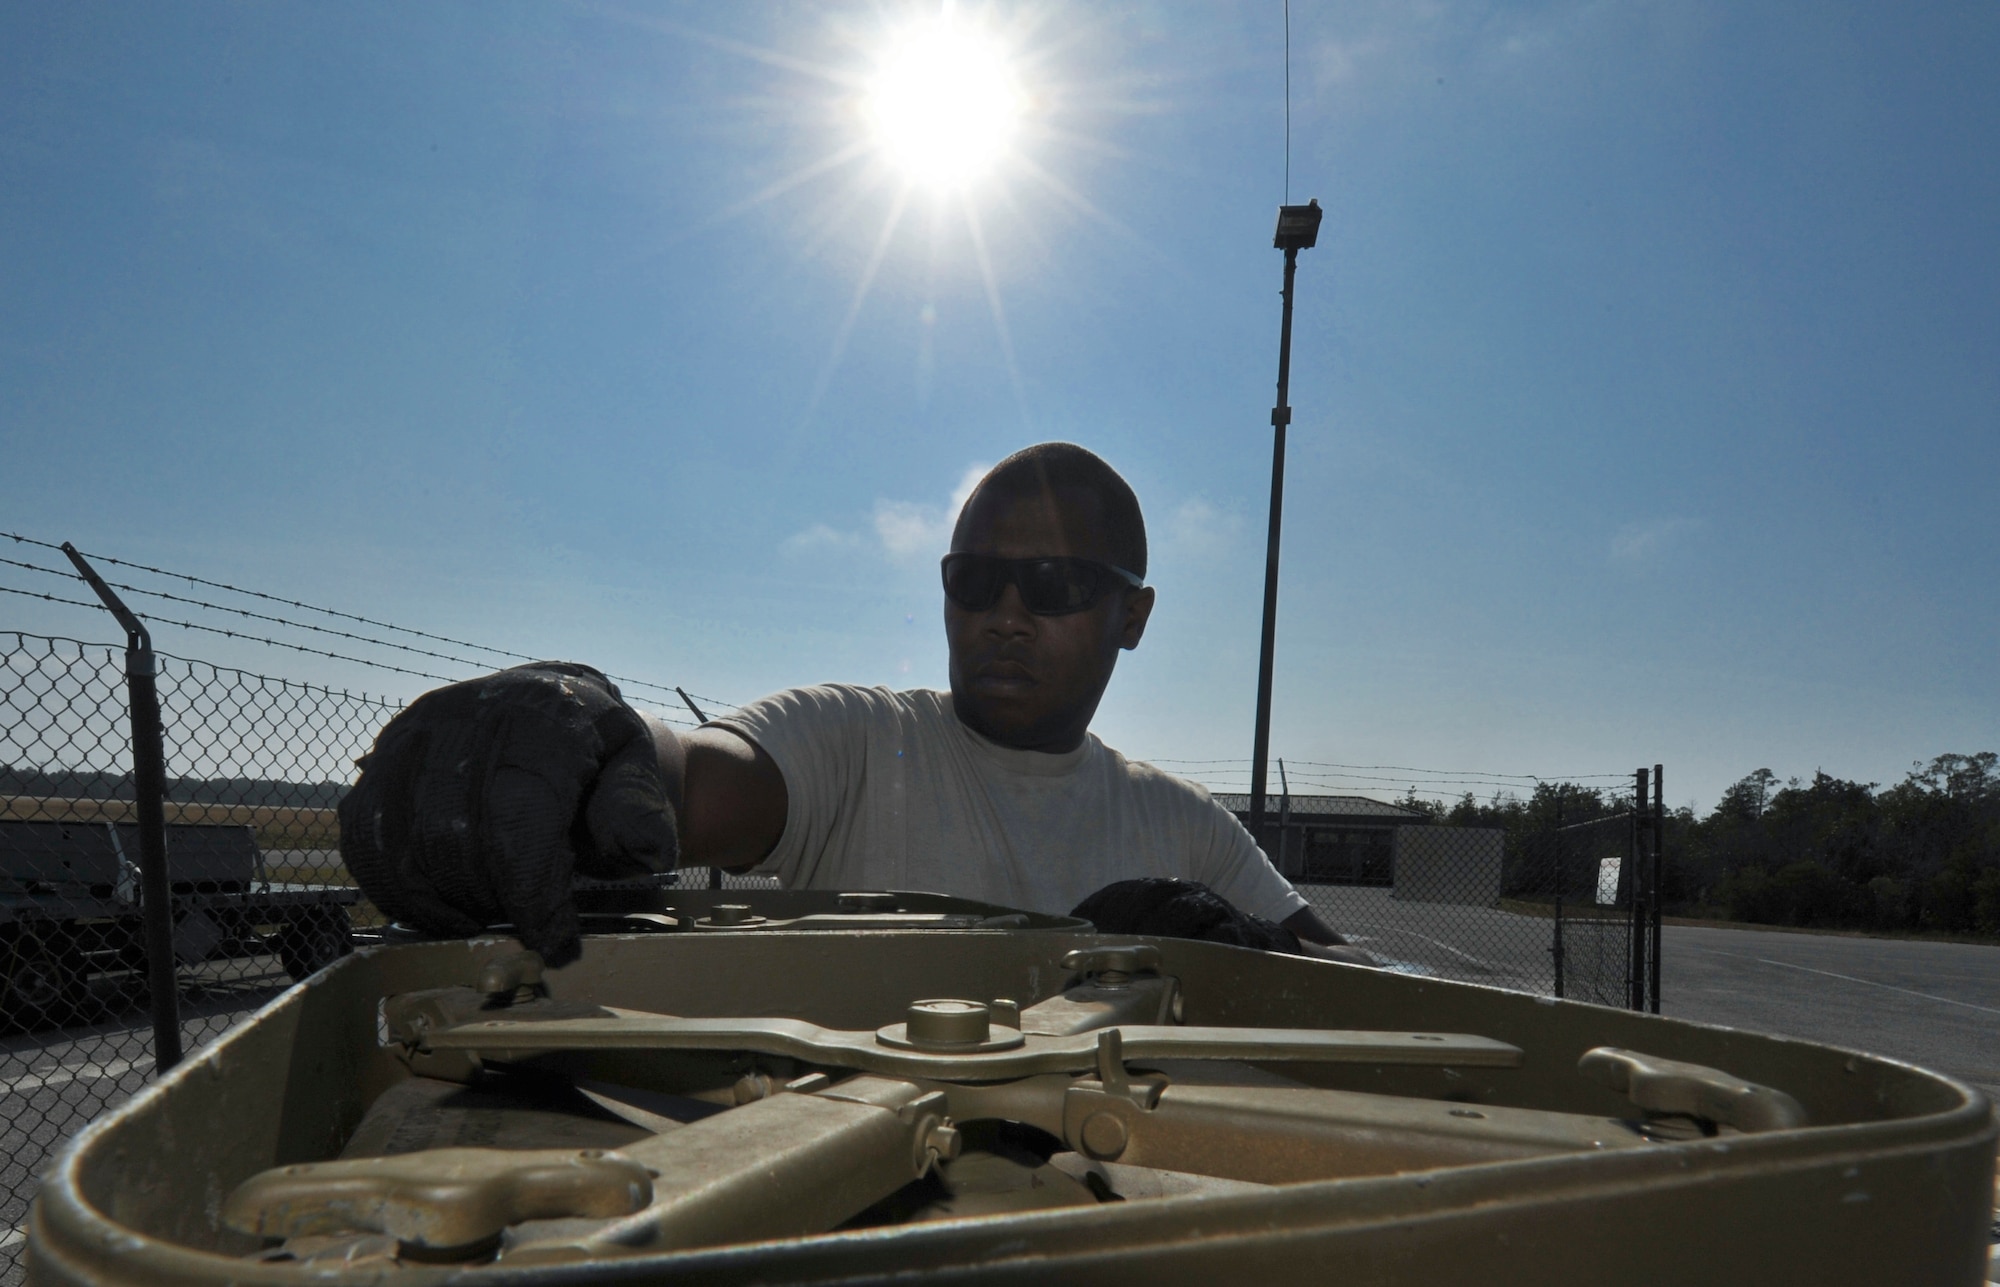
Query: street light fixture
[[1298, 229]]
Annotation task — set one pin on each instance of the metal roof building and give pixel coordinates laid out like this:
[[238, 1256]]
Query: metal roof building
[[1327, 839]]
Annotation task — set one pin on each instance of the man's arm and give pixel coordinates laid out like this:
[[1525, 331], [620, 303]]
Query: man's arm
[[728, 795], [1306, 923]]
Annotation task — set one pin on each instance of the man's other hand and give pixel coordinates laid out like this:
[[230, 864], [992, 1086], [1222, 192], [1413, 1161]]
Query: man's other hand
[[1166, 908], [1322, 942], [1345, 953], [482, 800]]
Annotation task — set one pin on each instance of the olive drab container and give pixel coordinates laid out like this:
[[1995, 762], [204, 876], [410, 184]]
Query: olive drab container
[[751, 1087]]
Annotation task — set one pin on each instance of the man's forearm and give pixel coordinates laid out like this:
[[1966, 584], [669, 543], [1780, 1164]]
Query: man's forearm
[[1306, 923], [673, 768], [728, 796]]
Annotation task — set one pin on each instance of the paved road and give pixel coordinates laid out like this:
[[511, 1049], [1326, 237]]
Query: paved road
[[1935, 1004], [53, 1082]]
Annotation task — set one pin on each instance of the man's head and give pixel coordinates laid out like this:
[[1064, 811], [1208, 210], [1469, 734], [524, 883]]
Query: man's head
[[1033, 679]]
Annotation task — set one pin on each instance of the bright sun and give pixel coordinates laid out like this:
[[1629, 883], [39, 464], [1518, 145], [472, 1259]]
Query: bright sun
[[943, 105]]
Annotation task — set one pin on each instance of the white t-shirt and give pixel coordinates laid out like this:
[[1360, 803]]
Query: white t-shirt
[[890, 791]]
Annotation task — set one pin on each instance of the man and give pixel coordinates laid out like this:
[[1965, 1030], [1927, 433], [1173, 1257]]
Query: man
[[474, 809]]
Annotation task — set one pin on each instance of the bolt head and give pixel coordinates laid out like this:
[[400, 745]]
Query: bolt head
[[1104, 1135], [949, 1022]]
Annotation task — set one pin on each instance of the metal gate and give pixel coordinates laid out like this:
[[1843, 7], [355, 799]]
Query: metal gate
[[1566, 909]]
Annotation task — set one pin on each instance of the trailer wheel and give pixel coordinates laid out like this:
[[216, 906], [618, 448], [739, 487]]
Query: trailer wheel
[[313, 940], [41, 977]]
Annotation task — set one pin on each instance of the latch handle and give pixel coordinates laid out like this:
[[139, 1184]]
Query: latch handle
[[1670, 1086], [1114, 964], [441, 1198]]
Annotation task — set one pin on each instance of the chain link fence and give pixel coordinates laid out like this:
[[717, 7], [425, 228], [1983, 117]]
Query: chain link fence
[[254, 769], [1533, 904]]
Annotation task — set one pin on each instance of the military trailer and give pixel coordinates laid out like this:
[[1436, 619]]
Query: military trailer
[[796, 1087], [70, 910]]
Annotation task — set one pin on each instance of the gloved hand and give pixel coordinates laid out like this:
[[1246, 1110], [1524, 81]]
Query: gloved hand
[[482, 799], [1164, 908]]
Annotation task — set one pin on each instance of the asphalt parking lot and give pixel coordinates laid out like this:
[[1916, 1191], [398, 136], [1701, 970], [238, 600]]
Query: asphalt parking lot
[[1934, 1004], [52, 1083]]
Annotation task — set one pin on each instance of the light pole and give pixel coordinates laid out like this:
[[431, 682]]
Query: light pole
[[1298, 229]]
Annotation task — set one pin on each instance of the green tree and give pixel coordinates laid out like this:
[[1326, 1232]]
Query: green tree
[[1924, 853]]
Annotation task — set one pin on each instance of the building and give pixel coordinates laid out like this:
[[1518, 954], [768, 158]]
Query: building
[[1328, 839]]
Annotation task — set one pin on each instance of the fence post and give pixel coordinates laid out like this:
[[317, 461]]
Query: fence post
[[149, 790], [1284, 818], [1560, 839], [1659, 844], [1636, 993]]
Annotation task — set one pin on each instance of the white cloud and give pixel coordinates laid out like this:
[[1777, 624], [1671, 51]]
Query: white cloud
[[820, 537], [1337, 62], [1363, 49], [910, 529], [966, 482], [1197, 529], [905, 531], [1638, 541]]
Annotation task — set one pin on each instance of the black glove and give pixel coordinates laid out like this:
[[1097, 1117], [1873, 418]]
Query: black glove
[[1164, 908], [482, 799]]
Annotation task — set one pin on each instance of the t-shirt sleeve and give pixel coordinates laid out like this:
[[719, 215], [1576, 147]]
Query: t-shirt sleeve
[[1229, 862], [818, 737]]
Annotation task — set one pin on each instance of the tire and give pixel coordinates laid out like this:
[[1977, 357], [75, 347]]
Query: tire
[[41, 977], [312, 941]]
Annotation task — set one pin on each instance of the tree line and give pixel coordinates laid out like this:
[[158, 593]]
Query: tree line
[[1922, 854]]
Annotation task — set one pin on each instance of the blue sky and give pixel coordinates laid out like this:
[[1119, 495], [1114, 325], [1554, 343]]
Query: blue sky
[[1645, 373]]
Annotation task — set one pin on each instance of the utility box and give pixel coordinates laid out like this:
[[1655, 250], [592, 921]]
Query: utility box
[[1448, 864], [90, 855], [64, 854]]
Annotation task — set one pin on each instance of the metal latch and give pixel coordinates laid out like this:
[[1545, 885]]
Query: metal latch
[[1669, 1086], [443, 1200], [1109, 967]]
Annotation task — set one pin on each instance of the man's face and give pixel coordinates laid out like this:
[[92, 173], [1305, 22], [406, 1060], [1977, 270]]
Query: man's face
[[1027, 681]]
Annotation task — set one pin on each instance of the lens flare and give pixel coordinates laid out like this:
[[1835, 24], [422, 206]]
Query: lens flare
[[943, 105]]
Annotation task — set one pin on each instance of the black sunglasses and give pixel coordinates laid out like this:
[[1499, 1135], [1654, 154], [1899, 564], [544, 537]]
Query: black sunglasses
[[1051, 587]]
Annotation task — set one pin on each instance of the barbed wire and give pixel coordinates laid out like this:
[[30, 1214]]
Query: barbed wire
[[1479, 773], [237, 634], [1475, 777], [664, 692], [1405, 768], [245, 612], [1440, 787], [1326, 779], [274, 598], [52, 598], [233, 670]]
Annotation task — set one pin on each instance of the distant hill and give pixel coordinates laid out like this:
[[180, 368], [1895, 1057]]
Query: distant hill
[[97, 785]]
